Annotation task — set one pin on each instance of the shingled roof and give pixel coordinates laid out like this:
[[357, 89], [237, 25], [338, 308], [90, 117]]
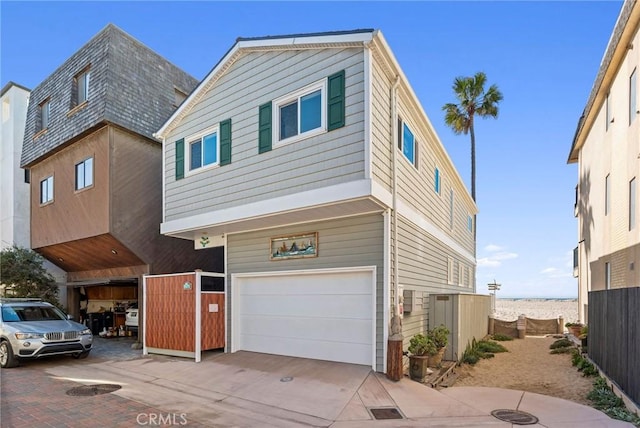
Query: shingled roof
[[130, 86]]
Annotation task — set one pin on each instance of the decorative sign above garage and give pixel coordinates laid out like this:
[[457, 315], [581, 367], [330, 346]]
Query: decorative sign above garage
[[294, 247], [204, 240]]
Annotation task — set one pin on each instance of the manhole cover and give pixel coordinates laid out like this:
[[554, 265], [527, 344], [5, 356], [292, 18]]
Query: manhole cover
[[89, 390], [386, 413], [515, 416]]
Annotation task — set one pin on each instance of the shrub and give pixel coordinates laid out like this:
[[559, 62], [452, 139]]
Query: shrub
[[561, 343], [501, 337], [565, 350], [439, 336], [491, 347], [422, 345], [604, 399], [476, 351]]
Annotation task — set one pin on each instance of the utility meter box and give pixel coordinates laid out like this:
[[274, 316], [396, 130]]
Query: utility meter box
[[409, 300]]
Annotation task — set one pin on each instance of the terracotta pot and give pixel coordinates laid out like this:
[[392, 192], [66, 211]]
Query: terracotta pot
[[418, 367], [575, 330], [436, 360]]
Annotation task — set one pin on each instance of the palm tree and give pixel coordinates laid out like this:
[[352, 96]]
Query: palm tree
[[472, 101]]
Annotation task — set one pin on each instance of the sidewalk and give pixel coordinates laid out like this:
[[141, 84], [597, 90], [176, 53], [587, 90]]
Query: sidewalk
[[248, 390]]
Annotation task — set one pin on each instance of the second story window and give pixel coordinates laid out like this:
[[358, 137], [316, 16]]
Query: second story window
[[84, 174], [46, 190], [203, 151], [301, 113], [408, 143], [436, 177], [45, 112], [82, 80], [633, 106]]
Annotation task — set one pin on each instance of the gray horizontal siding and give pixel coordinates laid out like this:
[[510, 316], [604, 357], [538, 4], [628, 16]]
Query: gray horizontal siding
[[382, 141], [255, 78], [349, 242]]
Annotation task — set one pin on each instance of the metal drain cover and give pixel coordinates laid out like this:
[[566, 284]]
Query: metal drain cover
[[516, 417], [386, 413], [89, 390]]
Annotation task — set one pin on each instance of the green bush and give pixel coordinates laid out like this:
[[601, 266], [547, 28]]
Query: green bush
[[605, 400], [439, 336], [566, 350], [422, 345], [561, 343], [478, 350], [491, 347], [501, 337]]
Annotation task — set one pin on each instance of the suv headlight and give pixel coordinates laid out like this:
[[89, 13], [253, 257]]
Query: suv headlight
[[86, 332], [23, 336]]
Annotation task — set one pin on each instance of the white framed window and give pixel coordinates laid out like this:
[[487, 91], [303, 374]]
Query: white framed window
[[633, 106], [203, 150], [437, 180], [451, 207], [632, 203], [82, 80], [84, 174], [607, 275], [301, 114], [408, 144], [469, 223], [460, 274], [46, 190], [607, 194], [467, 279], [450, 270]]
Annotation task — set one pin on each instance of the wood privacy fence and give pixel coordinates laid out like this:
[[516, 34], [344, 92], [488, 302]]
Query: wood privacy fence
[[614, 336], [524, 326]]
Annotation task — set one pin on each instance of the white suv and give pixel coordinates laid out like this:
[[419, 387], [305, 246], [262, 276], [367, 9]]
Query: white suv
[[31, 328]]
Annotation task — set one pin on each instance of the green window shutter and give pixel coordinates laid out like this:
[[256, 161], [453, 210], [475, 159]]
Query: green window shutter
[[180, 159], [264, 128], [225, 142], [335, 101]]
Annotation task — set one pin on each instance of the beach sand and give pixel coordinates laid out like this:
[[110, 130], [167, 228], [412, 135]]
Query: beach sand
[[541, 309], [528, 366]]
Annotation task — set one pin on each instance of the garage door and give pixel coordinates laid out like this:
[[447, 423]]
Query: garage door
[[320, 314]]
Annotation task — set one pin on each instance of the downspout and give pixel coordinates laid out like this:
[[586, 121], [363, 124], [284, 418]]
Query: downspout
[[394, 192]]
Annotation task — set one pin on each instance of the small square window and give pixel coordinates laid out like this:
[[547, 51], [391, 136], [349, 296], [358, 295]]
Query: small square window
[[82, 81], [46, 190], [300, 114], [84, 174], [203, 151]]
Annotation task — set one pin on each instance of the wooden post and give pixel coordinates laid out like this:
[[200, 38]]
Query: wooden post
[[394, 350], [560, 324], [492, 325]]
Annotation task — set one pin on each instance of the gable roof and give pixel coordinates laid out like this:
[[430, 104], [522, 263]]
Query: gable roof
[[332, 39], [626, 26]]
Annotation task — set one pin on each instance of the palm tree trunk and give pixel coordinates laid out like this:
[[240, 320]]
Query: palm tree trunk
[[473, 162]]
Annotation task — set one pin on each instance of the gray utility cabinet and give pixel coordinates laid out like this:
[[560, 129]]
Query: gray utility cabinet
[[465, 315]]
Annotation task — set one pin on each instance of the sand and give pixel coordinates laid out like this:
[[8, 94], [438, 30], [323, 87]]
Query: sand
[[541, 309], [528, 366]]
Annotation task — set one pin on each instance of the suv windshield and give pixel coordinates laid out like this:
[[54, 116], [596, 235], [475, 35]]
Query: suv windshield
[[31, 313]]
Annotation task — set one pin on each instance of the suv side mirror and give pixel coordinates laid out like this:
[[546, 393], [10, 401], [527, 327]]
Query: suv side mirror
[[69, 317]]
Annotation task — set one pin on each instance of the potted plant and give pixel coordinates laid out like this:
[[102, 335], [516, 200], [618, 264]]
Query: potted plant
[[574, 328], [440, 338], [421, 347]]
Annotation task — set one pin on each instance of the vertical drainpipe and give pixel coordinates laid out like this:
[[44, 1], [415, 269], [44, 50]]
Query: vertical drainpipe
[[394, 344]]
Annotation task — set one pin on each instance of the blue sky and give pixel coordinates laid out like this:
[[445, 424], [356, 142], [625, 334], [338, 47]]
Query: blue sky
[[544, 57]]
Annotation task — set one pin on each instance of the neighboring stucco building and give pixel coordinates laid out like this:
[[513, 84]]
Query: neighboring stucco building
[[14, 183], [607, 149], [96, 172], [310, 159]]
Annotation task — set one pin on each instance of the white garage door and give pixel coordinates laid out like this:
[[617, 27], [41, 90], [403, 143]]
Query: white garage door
[[320, 314]]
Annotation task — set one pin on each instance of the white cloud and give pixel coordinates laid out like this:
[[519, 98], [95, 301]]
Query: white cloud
[[553, 272], [492, 248], [495, 260]]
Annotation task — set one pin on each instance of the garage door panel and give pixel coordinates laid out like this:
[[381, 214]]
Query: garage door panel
[[345, 352], [326, 315], [348, 306], [331, 330], [306, 284]]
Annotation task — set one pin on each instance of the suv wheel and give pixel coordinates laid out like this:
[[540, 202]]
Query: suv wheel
[[7, 359], [81, 355]]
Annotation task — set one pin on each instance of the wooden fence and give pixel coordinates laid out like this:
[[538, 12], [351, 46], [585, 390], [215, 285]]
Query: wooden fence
[[524, 326], [614, 336]]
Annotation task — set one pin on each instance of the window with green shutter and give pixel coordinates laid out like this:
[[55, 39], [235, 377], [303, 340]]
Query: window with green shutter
[[225, 142], [264, 128], [180, 159], [335, 101]]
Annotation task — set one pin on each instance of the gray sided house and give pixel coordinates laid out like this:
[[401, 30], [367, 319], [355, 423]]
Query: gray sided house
[[96, 171], [310, 159]]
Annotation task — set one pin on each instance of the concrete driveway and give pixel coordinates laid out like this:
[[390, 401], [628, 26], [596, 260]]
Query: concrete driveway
[[248, 389]]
